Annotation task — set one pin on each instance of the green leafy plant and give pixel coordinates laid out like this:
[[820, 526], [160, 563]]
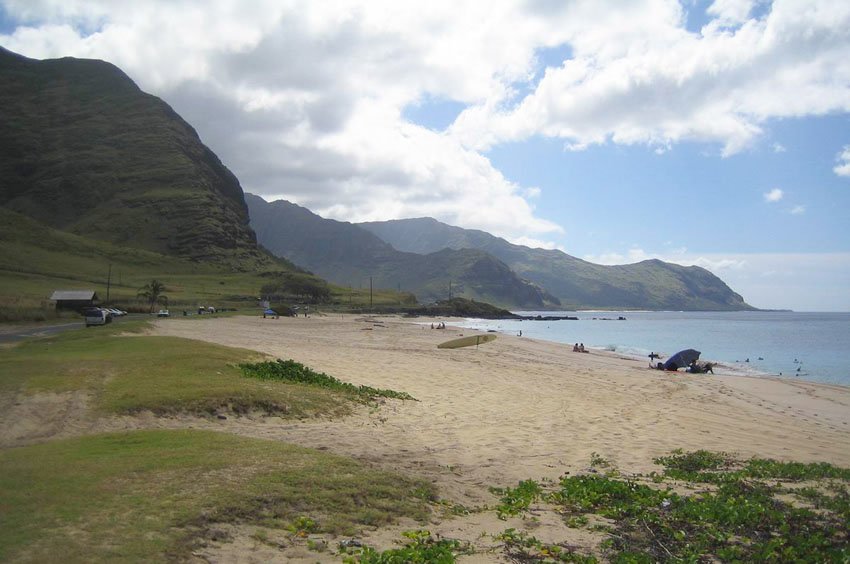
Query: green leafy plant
[[596, 460], [516, 500], [291, 371], [739, 511], [302, 526], [152, 292], [743, 519], [422, 548], [524, 547]]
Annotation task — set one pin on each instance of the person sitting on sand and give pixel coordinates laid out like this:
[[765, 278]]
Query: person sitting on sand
[[581, 348], [697, 368], [575, 348]]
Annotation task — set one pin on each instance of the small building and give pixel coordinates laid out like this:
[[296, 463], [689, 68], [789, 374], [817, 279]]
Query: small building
[[74, 299]]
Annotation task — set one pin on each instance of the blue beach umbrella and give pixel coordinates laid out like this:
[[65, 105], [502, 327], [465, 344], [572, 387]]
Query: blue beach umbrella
[[681, 359]]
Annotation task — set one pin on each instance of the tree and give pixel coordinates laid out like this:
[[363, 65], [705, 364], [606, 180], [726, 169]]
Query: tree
[[295, 284], [153, 293]]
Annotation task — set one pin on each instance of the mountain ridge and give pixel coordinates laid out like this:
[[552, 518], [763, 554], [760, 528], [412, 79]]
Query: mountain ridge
[[84, 150], [346, 254], [651, 284]]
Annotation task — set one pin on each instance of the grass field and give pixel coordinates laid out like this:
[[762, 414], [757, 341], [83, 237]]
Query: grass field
[[154, 495], [127, 374]]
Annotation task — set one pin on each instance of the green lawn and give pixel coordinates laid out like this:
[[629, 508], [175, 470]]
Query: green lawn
[[127, 374], [153, 495]]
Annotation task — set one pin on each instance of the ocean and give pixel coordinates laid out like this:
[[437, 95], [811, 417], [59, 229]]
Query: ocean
[[809, 346]]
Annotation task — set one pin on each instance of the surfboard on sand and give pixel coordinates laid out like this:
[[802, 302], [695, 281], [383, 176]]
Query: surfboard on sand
[[472, 340]]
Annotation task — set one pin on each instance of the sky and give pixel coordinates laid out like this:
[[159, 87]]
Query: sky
[[710, 133]]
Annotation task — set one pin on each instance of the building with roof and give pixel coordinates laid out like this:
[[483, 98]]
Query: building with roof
[[74, 299]]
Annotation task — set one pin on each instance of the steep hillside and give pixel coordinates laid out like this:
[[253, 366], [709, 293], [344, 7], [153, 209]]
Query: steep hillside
[[349, 255], [83, 150], [35, 260], [650, 284]]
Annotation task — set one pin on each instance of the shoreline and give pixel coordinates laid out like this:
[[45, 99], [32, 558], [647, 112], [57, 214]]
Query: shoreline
[[727, 370], [622, 341]]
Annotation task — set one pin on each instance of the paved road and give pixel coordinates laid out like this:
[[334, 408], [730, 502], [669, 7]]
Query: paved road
[[14, 333]]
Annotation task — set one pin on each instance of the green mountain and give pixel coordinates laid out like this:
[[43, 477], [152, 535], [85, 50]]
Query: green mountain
[[84, 150], [349, 255], [651, 284]]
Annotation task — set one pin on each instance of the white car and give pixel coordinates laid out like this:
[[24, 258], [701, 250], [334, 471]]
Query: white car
[[96, 316], [163, 313]]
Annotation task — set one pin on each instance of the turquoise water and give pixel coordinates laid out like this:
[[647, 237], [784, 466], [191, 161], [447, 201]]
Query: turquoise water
[[810, 346]]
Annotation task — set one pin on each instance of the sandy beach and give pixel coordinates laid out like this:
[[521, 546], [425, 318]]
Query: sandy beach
[[518, 408]]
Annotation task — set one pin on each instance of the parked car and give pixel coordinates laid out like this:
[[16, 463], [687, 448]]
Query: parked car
[[96, 316], [163, 313]]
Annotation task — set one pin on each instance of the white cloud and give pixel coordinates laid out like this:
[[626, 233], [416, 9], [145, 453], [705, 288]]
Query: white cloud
[[537, 243], [797, 210], [305, 100], [843, 158], [774, 195], [638, 77], [632, 255], [731, 12], [779, 148]]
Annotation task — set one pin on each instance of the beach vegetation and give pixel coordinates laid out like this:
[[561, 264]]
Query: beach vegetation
[[513, 501], [598, 461], [448, 507], [522, 547], [158, 495], [421, 547], [295, 372], [739, 510], [718, 467]]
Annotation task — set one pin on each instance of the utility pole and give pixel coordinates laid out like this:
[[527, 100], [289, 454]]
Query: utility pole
[[108, 282], [450, 290], [370, 294]]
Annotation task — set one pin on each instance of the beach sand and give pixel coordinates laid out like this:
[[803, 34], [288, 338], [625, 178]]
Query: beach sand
[[519, 408]]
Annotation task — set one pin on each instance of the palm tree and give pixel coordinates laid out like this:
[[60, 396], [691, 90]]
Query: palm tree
[[152, 292]]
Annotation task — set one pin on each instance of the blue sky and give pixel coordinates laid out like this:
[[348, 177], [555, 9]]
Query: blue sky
[[714, 133]]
